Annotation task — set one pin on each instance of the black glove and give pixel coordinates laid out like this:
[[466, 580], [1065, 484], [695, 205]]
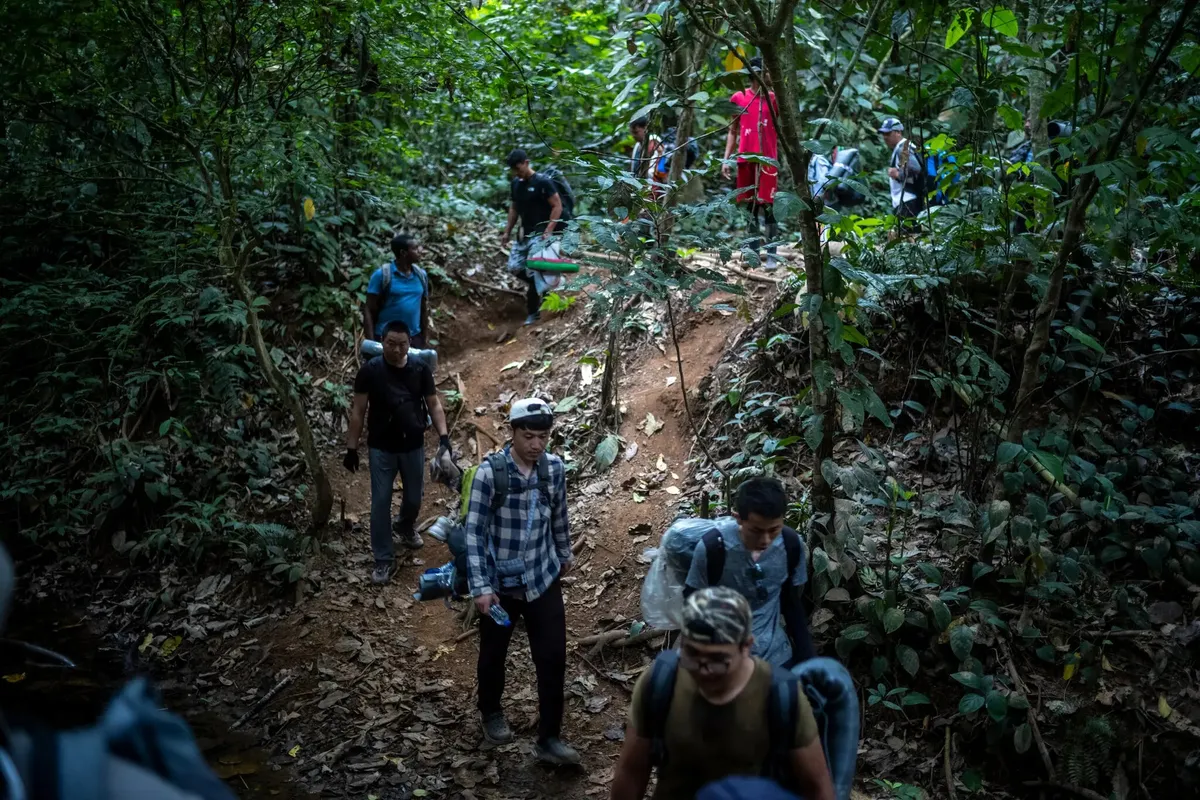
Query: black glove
[[443, 442], [350, 462]]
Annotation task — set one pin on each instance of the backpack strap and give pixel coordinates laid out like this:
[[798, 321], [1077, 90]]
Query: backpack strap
[[385, 286], [499, 464], [795, 552], [782, 718], [423, 277], [656, 703], [714, 552]]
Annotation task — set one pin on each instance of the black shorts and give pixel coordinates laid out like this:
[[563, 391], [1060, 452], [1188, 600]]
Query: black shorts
[[910, 209]]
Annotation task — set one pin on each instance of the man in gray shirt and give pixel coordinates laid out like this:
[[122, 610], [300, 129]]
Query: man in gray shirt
[[762, 559]]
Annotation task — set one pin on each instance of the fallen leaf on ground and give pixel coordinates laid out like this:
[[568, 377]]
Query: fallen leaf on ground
[[15, 677], [1164, 708], [294, 751], [512, 365], [586, 374], [671, 380], [661, 466], [651, 425], [170, 646], [631, 450], [672, 490]]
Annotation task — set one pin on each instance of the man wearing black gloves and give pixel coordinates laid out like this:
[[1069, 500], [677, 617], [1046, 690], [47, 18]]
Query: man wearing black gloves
[[401, 396]]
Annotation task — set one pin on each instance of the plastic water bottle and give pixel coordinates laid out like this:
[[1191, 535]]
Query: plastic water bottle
[[499, 616], [435, 583]]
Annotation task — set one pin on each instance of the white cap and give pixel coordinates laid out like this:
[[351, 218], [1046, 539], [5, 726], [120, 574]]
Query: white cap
[[529, 407]]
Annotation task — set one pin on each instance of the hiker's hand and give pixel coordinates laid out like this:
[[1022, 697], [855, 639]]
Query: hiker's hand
[[564, 569], [726, 171], [443, 447], [894, 173], [484, 603], [504, 239], [350, 462]]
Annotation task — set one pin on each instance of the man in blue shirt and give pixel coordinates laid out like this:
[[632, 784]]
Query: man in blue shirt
[[406, 298]]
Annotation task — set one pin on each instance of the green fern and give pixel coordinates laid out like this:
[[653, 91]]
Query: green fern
[[1087, 751]]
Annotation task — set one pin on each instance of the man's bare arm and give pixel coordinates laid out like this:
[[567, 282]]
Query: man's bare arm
[[370, 313], [556, 208], [631, 775], [434, 404], [512, 221], [358, 412], [811, 772]]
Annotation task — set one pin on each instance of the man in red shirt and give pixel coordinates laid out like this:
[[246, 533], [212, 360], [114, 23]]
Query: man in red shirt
[[755, 135]]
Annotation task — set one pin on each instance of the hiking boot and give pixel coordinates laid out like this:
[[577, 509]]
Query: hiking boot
[[557, 752], [771, 264], [382, 573], [410, 539], [533, 318], [495, 728]]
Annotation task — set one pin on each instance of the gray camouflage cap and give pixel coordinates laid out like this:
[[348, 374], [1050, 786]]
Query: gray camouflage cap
[[716, 615]]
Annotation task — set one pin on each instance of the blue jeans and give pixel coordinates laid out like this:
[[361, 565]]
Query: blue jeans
[[384, 466], [830, 691]]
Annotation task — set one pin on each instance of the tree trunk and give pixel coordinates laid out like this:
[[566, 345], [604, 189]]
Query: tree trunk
[[1037, 84], [1085, 192], [235, 263], [779, 63], [323, 504]]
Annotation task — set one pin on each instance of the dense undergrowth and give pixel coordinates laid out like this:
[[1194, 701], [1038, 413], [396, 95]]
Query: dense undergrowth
[[990, 424]]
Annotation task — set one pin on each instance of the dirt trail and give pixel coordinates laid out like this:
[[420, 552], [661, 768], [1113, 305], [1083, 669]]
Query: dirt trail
[[401, 673]]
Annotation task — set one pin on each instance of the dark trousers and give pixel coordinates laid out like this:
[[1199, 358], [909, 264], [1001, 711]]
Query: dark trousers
[[533, 300], [546, 624]]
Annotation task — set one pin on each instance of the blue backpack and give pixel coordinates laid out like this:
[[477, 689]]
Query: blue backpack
[[933, 165], [136, 749]]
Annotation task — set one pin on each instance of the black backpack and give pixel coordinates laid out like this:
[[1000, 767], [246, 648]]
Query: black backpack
[[668, 146], [565, 193], [782, 716], [714, 550], [457, 540]]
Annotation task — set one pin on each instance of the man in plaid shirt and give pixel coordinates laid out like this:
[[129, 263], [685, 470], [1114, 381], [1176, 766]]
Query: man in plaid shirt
[[516, 555]]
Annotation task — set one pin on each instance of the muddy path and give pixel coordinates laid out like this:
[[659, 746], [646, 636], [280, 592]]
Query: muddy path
[[383, 699]]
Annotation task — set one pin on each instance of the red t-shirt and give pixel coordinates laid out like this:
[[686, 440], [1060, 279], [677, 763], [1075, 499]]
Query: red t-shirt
[[756, 131]]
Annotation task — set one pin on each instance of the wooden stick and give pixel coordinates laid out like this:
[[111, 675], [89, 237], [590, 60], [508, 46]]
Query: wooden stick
[[466, 634], [483, 285], [946, 766], [262, 702], [486, 433], [1030, 715]]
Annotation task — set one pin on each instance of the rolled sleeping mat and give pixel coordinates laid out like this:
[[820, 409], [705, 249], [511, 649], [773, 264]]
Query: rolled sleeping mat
[[371, 348], [552, 265]]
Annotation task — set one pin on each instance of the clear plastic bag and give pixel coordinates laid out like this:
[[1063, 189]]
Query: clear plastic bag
[[662, 590]]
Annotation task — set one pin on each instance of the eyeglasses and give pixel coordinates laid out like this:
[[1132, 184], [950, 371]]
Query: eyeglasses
[[711, 665]]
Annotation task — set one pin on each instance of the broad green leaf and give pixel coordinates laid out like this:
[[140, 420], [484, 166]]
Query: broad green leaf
[[855, 632], [962, 639], [823, 377], [1023, 737], [909, 660], [970, 703], [941, 614], [566, 404], [606, 451], [997, 705], [968, 679], [893, 620], [914, 699], [959, 26], [1084, 339], [1002, 21], [1013, 119], [1008, 451]]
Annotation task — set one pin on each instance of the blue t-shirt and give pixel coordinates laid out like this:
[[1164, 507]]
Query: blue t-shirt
[[403, 301], [763, 590]]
